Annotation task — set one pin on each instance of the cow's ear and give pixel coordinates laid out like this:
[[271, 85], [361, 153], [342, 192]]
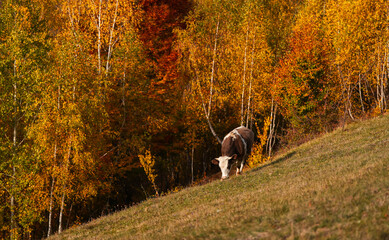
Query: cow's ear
[[215, 161], [234, 156]]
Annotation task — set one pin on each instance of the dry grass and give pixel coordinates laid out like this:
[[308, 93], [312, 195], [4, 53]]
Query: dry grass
[[335, 187]]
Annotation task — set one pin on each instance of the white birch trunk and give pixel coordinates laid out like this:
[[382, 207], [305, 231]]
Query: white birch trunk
[[54, 163], [244, 78], [61, 210], [382, 84], [208, 113], [213, 71], [64, 188], [99, 38], [271, 137], [110, 44], [50, 207], [349, 93], [360, 93], [251, 79]]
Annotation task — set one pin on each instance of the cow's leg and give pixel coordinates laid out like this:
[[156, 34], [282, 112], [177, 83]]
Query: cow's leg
[[238, 171], [242, 163], [241, 167]]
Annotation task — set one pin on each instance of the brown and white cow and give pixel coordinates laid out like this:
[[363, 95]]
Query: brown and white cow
[[236, 147]]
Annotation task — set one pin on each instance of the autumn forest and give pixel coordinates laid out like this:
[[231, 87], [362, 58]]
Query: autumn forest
[[104, 103]]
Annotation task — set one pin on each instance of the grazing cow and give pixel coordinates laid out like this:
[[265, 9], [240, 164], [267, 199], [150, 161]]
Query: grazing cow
[[236, 146]]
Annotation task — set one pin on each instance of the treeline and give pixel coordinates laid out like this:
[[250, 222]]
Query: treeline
[[106, 102]]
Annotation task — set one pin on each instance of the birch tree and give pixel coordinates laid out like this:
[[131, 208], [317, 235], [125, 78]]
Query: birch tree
[[21, 67], [358, 33]]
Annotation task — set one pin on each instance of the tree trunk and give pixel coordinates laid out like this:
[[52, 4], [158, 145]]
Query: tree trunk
[[271, 137], [251, 79], [61, 210], [124, 100], [208, 113], [110, 44], [244, 78], [50, 207], [54, 163], [360, 93], [191, 167], [383, 84], [346, 95], [14, 142], [66, 170], [213, 71], [70, 212], [99, 38]]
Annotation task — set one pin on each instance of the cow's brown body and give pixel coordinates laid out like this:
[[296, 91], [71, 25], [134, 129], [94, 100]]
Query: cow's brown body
[[239, 141], [237, 146]]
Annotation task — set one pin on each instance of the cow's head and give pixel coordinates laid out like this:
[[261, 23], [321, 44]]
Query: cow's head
[[225, 164]]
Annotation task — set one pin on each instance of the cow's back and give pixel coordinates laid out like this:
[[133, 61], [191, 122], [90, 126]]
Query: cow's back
[[248, 136], [233, 144]]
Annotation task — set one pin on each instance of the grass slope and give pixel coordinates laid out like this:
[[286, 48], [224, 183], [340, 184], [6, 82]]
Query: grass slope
[[336, 186]]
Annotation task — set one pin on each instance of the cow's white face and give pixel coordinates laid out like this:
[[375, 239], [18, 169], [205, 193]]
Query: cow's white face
[[225, 164]]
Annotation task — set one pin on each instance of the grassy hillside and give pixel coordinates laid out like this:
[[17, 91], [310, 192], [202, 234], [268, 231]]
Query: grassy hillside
[[336, 186]]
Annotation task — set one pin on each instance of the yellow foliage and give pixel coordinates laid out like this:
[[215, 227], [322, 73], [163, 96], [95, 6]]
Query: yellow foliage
[[148, 163], [174, 190], [258, 155], [376, 111]]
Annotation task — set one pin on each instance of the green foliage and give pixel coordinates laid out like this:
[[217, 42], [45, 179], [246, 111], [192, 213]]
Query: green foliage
[[23, 47], [87, 86]]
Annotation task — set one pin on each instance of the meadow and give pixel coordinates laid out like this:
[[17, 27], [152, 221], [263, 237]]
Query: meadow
[[334, 187]]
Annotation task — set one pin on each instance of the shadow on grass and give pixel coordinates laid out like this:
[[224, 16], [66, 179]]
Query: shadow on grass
[[279, 160]]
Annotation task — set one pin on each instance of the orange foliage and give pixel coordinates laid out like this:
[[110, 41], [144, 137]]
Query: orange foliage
[[304, 80], [87, 86]]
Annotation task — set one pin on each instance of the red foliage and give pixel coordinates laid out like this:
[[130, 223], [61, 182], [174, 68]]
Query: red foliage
[[156, 32]]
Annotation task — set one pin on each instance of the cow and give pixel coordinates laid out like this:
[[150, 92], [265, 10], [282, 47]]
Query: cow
[[236, 146]]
